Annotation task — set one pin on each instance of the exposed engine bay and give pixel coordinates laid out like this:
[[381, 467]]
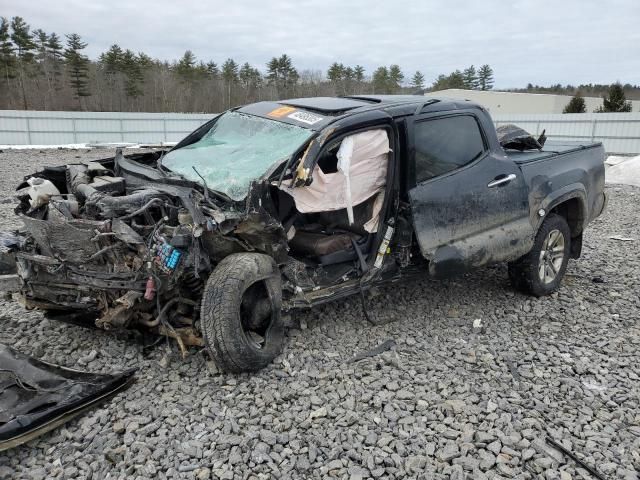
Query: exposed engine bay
[[122, 241]]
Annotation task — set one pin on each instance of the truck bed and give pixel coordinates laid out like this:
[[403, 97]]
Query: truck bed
[[563, 168], [550, 149]]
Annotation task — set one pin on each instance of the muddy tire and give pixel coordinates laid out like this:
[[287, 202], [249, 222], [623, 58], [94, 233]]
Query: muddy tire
[[540, 271], [240, 317]]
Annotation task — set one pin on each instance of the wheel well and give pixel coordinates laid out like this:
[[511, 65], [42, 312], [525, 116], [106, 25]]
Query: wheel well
[[573, 212]]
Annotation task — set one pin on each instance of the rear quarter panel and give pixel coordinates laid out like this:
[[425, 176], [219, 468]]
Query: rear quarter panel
[[575, 174]]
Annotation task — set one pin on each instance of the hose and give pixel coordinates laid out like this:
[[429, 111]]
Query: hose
[[156, 321], [142, 209]]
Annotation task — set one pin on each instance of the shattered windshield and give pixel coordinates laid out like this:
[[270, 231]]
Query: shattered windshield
[[236, 150]]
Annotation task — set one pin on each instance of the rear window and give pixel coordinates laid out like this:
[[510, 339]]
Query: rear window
[[445, 144]]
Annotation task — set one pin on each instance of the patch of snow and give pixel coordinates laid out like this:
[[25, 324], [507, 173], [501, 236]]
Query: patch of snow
[[77, 146], [615, 159], [66, 146], [626, 172]]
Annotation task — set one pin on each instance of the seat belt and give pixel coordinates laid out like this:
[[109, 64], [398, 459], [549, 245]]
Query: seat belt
[[363, 262]]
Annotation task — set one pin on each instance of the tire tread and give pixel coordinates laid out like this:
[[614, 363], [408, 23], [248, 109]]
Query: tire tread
[[220, 317]]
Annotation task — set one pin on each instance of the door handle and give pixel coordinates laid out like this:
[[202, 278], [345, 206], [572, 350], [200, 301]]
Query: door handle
[[501, 180]]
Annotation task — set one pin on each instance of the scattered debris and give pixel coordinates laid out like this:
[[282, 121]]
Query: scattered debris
[[593, 386], [572, 456], [383, 347], [319, 413], [515, 138], [478, 327], [36, 397], [622, 239]]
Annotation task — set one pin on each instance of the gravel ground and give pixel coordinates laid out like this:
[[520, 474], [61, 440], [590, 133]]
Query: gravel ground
[[445, 402]]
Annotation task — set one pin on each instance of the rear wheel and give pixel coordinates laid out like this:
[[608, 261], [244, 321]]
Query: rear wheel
[[541, 270], [241, 318]]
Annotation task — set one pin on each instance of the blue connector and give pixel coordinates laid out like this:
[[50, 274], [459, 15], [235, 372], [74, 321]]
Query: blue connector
[[173, 259]]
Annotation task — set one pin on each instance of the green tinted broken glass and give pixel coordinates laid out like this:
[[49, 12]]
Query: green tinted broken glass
[[237, 149]]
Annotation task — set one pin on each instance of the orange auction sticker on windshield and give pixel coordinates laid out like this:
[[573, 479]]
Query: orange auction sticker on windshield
[[281, 112]]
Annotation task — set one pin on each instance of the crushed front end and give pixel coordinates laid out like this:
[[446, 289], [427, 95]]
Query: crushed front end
[[123, 242]]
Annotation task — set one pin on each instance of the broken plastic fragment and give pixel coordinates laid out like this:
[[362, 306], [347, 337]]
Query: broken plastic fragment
[[39, 191], [37, 396], [513, 137]]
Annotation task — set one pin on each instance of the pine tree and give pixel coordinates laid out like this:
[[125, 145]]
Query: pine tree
[[213, 70], [55, 52], [615, 101], [282, 74], [201, 70], [334, 74], [575, 105], [134, 77], [77, 65], [340, 76], [358, 73], [7, 56], [44, 60], [23, 40], [230, 71], [380, 80], [186, 65], [144, 60], [453, 80], [250, 78], [470, 78], [485, 77], [112, 59], [273, 74], [396, 77], [25, 46], [41, 40], [54, 46], [418, 80], [230, 76]]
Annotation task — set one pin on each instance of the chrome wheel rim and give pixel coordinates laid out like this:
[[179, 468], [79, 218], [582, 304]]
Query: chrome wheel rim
[[551, 256]]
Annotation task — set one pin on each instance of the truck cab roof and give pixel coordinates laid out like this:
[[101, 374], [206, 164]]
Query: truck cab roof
[[318, 112]]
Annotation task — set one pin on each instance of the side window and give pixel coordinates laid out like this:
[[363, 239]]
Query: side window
[[444, 144]]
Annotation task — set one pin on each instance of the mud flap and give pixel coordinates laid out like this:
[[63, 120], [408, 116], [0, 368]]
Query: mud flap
[[36, 397]]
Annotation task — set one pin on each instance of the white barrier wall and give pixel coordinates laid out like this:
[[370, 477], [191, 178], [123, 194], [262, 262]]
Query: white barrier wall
[[18, 127], [620, 132]]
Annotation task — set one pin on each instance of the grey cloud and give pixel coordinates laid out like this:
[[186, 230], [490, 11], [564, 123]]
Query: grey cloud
[[539, 41]]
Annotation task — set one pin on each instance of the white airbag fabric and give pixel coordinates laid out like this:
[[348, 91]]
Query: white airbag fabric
[[362, 172]]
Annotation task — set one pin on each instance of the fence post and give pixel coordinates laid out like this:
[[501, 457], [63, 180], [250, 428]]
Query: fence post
[[538, 128], [593, 129], [164, 127], [75, 133], [121, 131], [29, 131]]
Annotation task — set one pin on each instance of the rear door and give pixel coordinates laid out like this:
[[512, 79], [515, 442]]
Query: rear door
[[469, 205]]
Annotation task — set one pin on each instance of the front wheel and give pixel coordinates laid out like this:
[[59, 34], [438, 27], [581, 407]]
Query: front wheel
[[541, 270], [241, 318]]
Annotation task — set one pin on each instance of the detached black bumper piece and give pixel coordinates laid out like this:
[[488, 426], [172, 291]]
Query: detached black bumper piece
[[36, 397]]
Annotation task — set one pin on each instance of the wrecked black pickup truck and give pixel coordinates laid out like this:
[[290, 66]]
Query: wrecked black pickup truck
[[276, 206]]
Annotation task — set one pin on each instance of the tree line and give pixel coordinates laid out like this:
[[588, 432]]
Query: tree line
[[614, 100], [44, 71]]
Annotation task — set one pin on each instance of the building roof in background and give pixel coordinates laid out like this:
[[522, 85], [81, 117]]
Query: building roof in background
[[519, 102]]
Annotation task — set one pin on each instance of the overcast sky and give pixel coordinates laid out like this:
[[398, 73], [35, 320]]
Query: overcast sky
[[537, 41]]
